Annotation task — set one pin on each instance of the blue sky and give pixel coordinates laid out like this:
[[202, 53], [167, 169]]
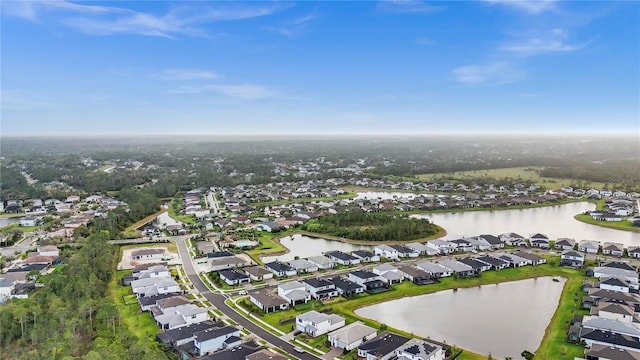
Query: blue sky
[[401, 67]]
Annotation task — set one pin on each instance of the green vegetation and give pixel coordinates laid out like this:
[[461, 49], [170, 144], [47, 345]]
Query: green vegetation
[[74, 314], [356, 224], [529, 174], [174, 211], [618, 225], [140, 223], [268, 246], [140, 324]]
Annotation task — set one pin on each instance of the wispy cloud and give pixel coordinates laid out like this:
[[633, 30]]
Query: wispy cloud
[[533, 7], [295, 27], [244, 92], [407, 6], [186, 74], [16, 100], [493, 73], [554, 41], [103, 20]]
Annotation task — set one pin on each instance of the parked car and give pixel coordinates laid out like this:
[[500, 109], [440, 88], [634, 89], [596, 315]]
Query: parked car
[[298, 349]]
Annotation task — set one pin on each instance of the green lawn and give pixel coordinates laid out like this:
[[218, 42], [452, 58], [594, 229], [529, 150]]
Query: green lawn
[[141, 324], [187, 219], [268, 246], [318, 343], [618, 225], [519, 173]]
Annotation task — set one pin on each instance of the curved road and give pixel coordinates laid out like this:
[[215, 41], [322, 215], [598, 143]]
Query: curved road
[[217, 300]]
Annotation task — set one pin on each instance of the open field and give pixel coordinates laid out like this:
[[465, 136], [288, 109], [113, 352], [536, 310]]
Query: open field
[[516, 173]]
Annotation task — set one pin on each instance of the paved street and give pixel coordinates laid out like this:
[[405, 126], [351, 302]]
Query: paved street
[[218, 301]]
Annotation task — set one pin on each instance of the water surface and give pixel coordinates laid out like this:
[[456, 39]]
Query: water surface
[[501, 319]]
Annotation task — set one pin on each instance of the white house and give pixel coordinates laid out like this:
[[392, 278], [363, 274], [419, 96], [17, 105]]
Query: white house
[[148, 254], [539, 240], [182, 315], [303, 266], [258, 273], [351, 336], [435, 270], [589, 246], [154, 286], [613, 248], [629, 275], [571, 258], [315, 323], [386, 252], [214, 339], [615, 284], [442, 246], [28, 221], [416, 349], [322, 262], [294, 292]]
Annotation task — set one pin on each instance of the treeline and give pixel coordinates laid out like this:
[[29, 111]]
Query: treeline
[[356, 224], [624, 175], [72, 316]]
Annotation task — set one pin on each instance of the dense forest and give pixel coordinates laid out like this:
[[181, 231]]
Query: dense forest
[[356, 224], [72, 316]]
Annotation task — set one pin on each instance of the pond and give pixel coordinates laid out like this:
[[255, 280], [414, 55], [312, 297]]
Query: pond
[[500, 319], [305, 246], [8, 221], [553, 221]]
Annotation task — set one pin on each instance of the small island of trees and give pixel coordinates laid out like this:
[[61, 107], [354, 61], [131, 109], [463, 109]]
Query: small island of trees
[[357, 224]]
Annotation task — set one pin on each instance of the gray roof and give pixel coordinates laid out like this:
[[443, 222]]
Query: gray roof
[[455, 265], [617, 326], [352, 332], [267, 298], [431, 267], [291, 285], [302, 264]]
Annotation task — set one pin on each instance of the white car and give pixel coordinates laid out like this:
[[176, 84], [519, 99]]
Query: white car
[[298, 349], [243, 292]]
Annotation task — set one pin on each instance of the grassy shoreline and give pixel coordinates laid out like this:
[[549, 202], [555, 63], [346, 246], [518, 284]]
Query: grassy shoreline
[[555, 334], [624, 225]]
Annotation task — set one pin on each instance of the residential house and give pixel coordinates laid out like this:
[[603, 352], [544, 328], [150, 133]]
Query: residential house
[[606, 338], [148, 254], [417, 349], [535, 259], [303, 266], [346, 287], [493, 241], [294, 292], [320, 289], [258, 273], [615, 284], [265, 354], [322, 262], [8, 283], [442, 246], [465, 245], [415, 275], [365, 256], [539, 240], [214, 339], [381, 347], [388, 273], [458, 268], [513, 260], [435, 270], [223, 263], [564, 244], [614, 311], [269, 226], [239, 352], [184, 335], [369, 280], [386, 252], [571, 258], [495, 263], [233, 277], [513, 239], [351, 336], [478, 266], [422, 249], [342, 258], [608, 352], [181, 315], [280, 269], [615, 326], [612, 248], [405, 252], [625, 274], [589, 246], [28, 221], [634, 251], [148, 302], [154, 286], [268, 301], [315, 323]]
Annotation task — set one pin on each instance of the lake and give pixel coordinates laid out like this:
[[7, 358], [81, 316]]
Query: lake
[[501, 319], [305, 246], [554, 221], [9, 221]]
